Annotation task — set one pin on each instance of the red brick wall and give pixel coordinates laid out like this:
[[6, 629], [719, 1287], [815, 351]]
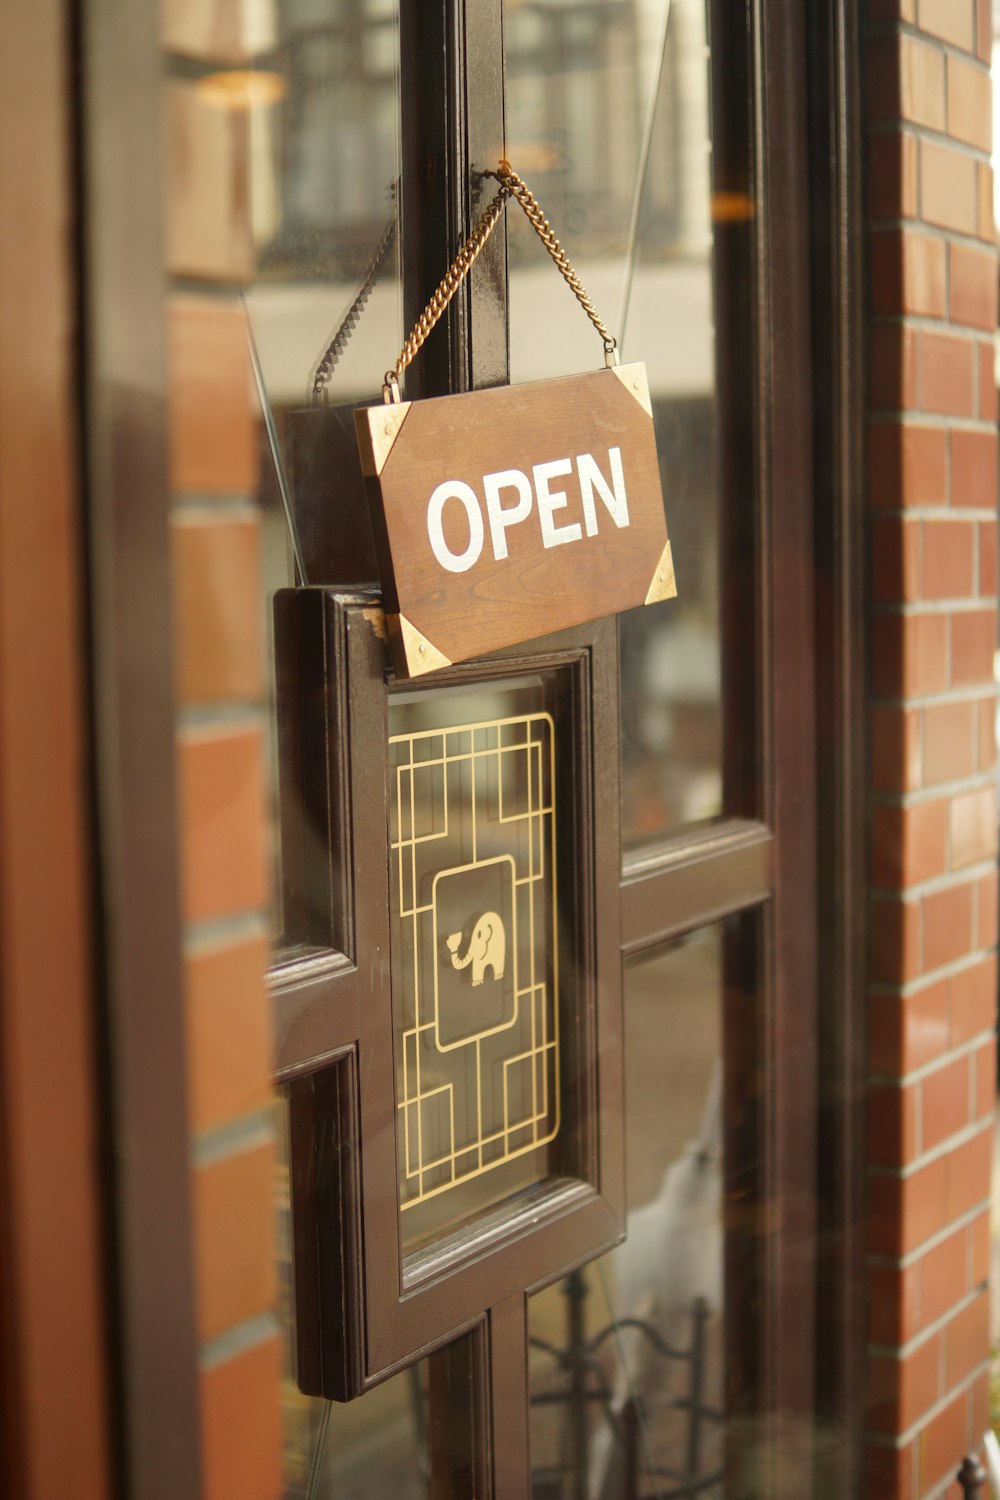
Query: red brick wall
[[932, 456], [225, 857]]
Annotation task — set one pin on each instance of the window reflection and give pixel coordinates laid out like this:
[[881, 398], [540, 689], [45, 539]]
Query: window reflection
[[608, 119], [367, 1449], [627, 1354]]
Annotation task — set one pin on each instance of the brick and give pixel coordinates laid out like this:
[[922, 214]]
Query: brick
[[892, 1125], [986, 223], [906, 81], [967, 1340], [228, 1031], [989, 407], [947, 925], [897, 749], [951, 20], [944, 1103], [208, 223], [949, 750], [988, 559], [909, 655], [987, 735], [221, 778], [985, 1074], [986, 910], [896, 942], [892, 381], [979, 1239], [892, 176], [949, 189], [967, 1176], [900, 1391], [908, 1032], [905, 1211], [241, 1425], [893, 1303], [897, 559], [973, 642], [972, 1001], [909, 844], [970, 104], [942, 1276], [973, 284], [212, 420], [973, 827], [907, 273], [217, 634], [978, 1403], [949, 558], [974, 469], [984, 48], [949, 372], [234, 1239], [941, 1444], [907, 465]]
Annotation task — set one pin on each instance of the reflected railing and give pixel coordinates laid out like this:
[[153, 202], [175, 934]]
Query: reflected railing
[[624, 1455]]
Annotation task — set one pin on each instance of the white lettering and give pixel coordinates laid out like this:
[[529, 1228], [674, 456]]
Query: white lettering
[[552, 500], [591, 478], [455, 562], [501, 518]]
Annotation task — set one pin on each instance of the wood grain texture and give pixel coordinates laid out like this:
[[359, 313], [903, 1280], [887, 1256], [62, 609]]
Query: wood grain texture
[[54, 1382], [500, 602]]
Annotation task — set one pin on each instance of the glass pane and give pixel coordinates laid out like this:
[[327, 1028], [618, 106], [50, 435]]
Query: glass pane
[[309, 119], [372, 1447], [627, 1355], [475, 947], [608, 119]]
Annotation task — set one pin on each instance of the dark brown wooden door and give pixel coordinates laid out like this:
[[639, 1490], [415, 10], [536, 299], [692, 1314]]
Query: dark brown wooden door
[[446, 1287]]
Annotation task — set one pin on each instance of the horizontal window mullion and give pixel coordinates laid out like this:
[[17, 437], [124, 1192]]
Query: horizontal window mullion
[[689, 883]]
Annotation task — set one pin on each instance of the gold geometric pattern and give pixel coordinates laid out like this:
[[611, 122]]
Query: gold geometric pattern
[[473, 837]]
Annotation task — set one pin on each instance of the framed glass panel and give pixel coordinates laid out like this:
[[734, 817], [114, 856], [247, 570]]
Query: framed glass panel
[[478, 988], [608, 116], [362, 1450], [627, 1356]]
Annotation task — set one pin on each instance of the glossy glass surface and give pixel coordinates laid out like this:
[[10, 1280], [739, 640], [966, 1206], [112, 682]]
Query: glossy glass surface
[[474, 943], [626, 1365], [608, 120], [323, 296], [367, 1449]]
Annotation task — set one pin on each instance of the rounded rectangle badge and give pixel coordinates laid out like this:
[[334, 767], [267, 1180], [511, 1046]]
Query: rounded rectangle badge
[[504, 514]]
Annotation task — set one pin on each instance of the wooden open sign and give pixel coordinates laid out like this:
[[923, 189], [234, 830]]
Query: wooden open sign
[[504, 514]]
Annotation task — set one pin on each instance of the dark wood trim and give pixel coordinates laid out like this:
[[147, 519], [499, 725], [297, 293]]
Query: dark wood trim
[[837, 239], [142, 980], [409, 1310], [696, 881], [509, 1395], [788, 1040], [459, 1418], [451, 84], [55, 1441]]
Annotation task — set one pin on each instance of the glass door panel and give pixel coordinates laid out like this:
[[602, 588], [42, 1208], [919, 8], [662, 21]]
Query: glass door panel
[[627, 1356], [608, 118]]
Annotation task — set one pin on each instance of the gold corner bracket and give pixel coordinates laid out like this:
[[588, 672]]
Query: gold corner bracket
[[378, 428], [663, 584], [420, 654]]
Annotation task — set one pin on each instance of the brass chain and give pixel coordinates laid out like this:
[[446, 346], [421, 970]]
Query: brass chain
[[519, 189], [511, 186]]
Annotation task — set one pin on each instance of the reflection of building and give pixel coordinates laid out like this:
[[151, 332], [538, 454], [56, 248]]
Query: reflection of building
[[809, 886]]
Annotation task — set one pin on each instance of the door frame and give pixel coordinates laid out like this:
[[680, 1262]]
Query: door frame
[[807, 245]]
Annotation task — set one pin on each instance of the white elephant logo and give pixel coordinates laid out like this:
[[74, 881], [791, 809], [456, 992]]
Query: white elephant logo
[[487, 948]]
